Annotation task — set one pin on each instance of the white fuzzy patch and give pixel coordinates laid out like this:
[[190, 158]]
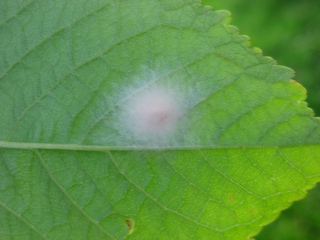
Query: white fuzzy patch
[[151, 110], [153, 113]]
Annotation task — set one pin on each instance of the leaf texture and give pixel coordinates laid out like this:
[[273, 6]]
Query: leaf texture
[[77, 163]]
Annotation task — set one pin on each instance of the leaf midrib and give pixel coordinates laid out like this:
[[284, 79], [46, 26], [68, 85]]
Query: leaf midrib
[[101, 148]]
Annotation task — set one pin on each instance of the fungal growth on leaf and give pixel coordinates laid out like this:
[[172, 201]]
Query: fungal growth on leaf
[[151, 110]]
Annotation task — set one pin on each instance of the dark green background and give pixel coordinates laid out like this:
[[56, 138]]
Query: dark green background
[[288, 31]]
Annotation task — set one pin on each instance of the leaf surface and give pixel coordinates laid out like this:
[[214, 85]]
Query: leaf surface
[[240, 147]]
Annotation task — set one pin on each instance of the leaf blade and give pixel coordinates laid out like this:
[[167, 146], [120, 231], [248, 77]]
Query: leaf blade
[[61, 144]]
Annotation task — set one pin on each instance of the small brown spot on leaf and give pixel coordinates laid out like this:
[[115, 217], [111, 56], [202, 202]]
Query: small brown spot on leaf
[[130, 225]]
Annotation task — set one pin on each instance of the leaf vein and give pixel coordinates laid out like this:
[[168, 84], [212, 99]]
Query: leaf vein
[[74, 203]]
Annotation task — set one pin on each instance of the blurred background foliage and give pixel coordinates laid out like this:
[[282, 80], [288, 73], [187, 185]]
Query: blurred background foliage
[[288, 31]]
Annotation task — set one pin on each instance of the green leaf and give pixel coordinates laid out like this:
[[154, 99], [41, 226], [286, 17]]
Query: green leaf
[[84, 155]]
